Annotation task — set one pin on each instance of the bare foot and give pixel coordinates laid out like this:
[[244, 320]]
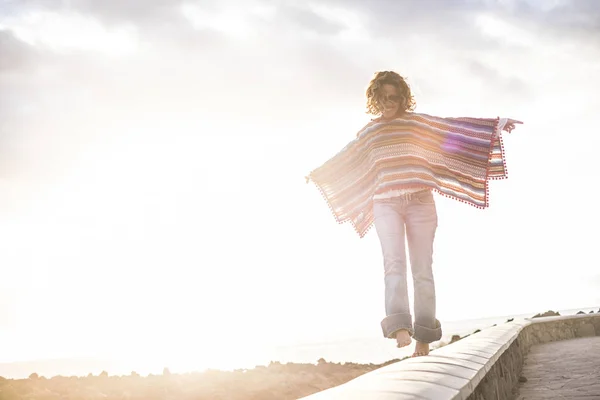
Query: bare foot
[[421, 349], [403, 338]]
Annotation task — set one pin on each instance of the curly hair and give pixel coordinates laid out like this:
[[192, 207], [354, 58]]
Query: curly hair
[[375, 90]]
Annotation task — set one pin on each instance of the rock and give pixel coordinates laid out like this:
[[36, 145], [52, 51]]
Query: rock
[[522, 379], [591, 312], [510, 320], [580, 312], [548, 313], [455, 338]]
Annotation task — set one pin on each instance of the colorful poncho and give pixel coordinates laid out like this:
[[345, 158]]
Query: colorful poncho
[[456, 157]]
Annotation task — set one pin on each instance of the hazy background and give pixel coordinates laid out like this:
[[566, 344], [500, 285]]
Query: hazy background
[[153, 153]]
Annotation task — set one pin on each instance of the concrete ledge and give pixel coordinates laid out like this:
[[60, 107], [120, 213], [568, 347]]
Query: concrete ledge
[[485, 365]]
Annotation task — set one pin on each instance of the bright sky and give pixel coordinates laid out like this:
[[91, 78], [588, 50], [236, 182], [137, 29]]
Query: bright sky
[[153, 154]]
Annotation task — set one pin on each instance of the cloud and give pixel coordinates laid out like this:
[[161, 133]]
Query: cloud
[[568, 17], [16, 54], [383, 17], [487, 73], [142, 12], [301, 17], [311, 56], [188, 63]]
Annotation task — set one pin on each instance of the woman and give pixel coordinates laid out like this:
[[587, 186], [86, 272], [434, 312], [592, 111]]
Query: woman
[[404, 215], [386, 177]]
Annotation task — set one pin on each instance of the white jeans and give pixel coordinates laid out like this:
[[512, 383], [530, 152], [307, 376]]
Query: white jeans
[[410, 218]]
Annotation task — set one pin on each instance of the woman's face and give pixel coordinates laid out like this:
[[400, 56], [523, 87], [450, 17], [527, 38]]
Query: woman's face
[[389, 100]]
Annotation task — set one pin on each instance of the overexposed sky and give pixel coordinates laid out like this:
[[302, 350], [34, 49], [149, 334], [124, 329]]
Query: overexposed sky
[[153, 154]]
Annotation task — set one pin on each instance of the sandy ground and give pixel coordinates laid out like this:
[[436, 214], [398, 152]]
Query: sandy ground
[[276, 381]]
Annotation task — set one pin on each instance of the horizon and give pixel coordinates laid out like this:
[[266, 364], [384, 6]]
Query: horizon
[[113, 364], [152, 164]]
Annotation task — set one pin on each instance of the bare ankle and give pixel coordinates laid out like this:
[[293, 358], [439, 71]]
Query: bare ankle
[[402, 337]]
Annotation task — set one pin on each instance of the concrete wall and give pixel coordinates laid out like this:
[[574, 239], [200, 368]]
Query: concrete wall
[[483, 366], [502, 380]]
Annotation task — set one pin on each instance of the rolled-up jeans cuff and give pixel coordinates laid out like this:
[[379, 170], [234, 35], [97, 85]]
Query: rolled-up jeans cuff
[[428, 335], [395, 322]]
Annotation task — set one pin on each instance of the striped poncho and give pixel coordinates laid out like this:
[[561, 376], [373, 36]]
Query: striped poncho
[[456, 157]]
